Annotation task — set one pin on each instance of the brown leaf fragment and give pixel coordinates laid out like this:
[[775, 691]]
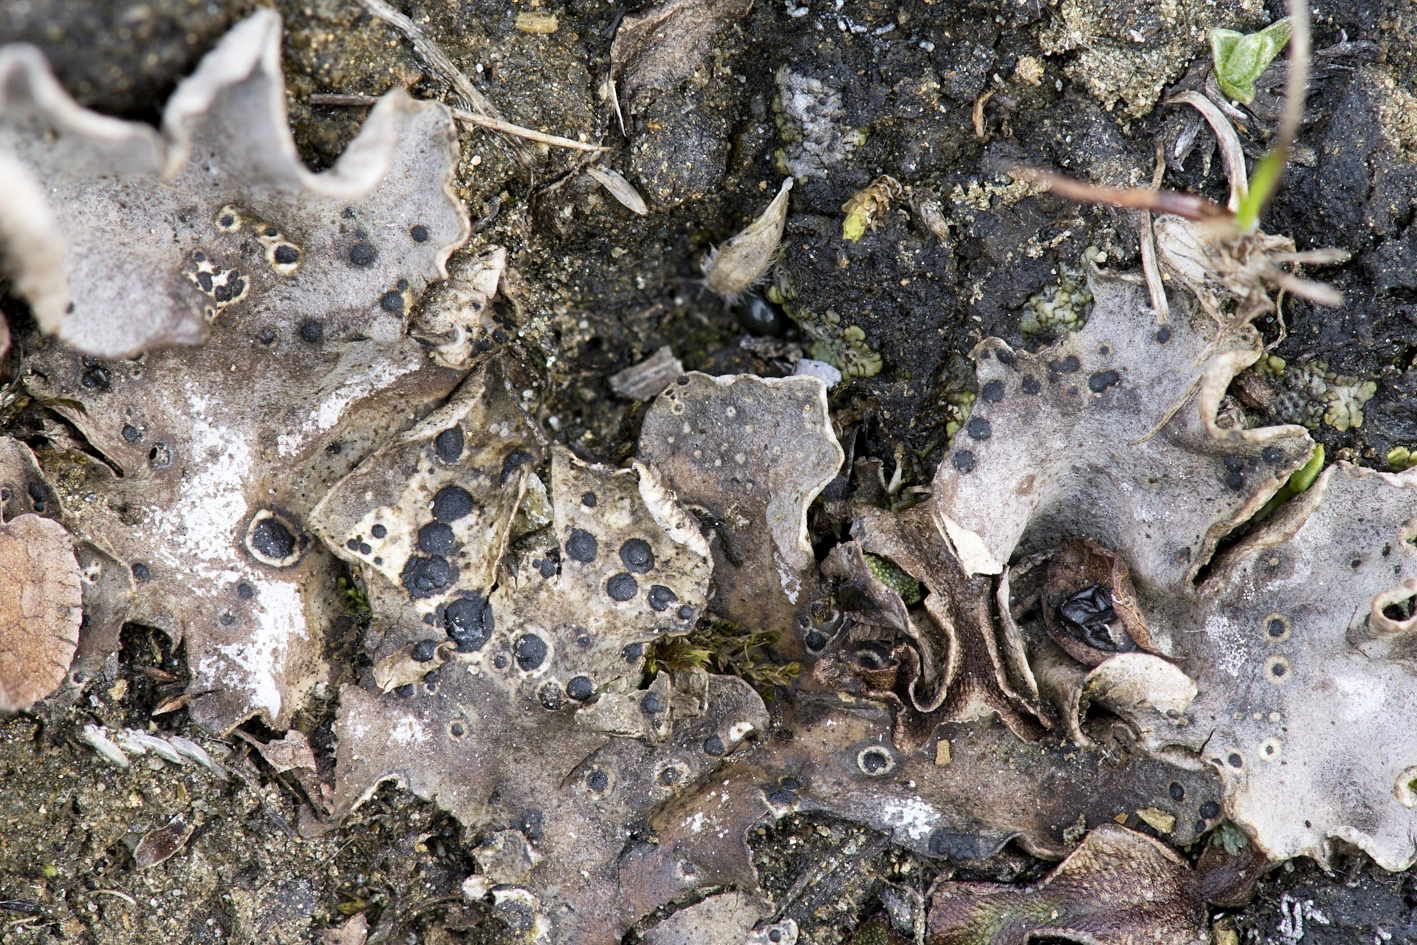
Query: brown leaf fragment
[[160, 845], [353, 932], [665, 44], [1119, 887], [287, 753], [40, 609], [747, 455]]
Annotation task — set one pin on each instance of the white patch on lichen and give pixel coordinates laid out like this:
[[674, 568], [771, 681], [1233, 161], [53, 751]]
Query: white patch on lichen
[[333, 408], [1230, 643], [910, 814], [408, 731], [280, 618], [210, 508]]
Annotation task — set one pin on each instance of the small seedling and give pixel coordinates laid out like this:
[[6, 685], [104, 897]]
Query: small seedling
[[1211, 248], [1241, 58]]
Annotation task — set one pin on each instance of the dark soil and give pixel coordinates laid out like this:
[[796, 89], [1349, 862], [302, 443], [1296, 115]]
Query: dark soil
[[596, 289]]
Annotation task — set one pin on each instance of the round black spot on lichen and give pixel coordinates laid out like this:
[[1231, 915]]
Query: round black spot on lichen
[[452, 503], [363, 254], [874, 760], [513, 461], [775, 935], [963, 460], [660, 597], [637, 556], [597, 781], [226, 618], [682, 380], [142, 572], [588, 500], [1031, 385], [131, 434], [1278, 669], [979, 428], [430, 619], [530, 652], [457, 730], [633, 652], [1163, 334], [468, 622], [1104, 350], [435, 538], [686, 612], [1004, 356], [621, 587], [285, 255], [993, 391], [426, 577], [713, 745], [424, 650], [1102, 380], [501, 337], [226, 221], [379, 531], [1272, 455], [352, 544], [1178, 793], [312, 332], [448, 444], [245, 591], [549, 695], [391, 302], [956, 846], [1277, 628], [547, 568], [650, 704], [272, 539], [816, 640], [405, 691], [1235, 480], [419, 233], [580, 688], [1210, 810], [1234, 760], [581, 545], [531, 824], [669, 776], [1065, 365]]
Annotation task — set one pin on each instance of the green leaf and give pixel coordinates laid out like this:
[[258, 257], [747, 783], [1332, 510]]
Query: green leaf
[[1299, 481], [1240, 58], [1264, 180]]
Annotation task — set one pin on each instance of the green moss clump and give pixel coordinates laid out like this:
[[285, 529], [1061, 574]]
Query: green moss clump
[[722, 646]]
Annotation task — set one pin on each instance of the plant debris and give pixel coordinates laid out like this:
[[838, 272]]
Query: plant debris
[[39, 611]]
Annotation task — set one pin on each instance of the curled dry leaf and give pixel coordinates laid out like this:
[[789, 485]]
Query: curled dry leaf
[[40, 609], [223, 449], [148, 238], [663, 45], [744, 260], [1118, 888], [748, 455]]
